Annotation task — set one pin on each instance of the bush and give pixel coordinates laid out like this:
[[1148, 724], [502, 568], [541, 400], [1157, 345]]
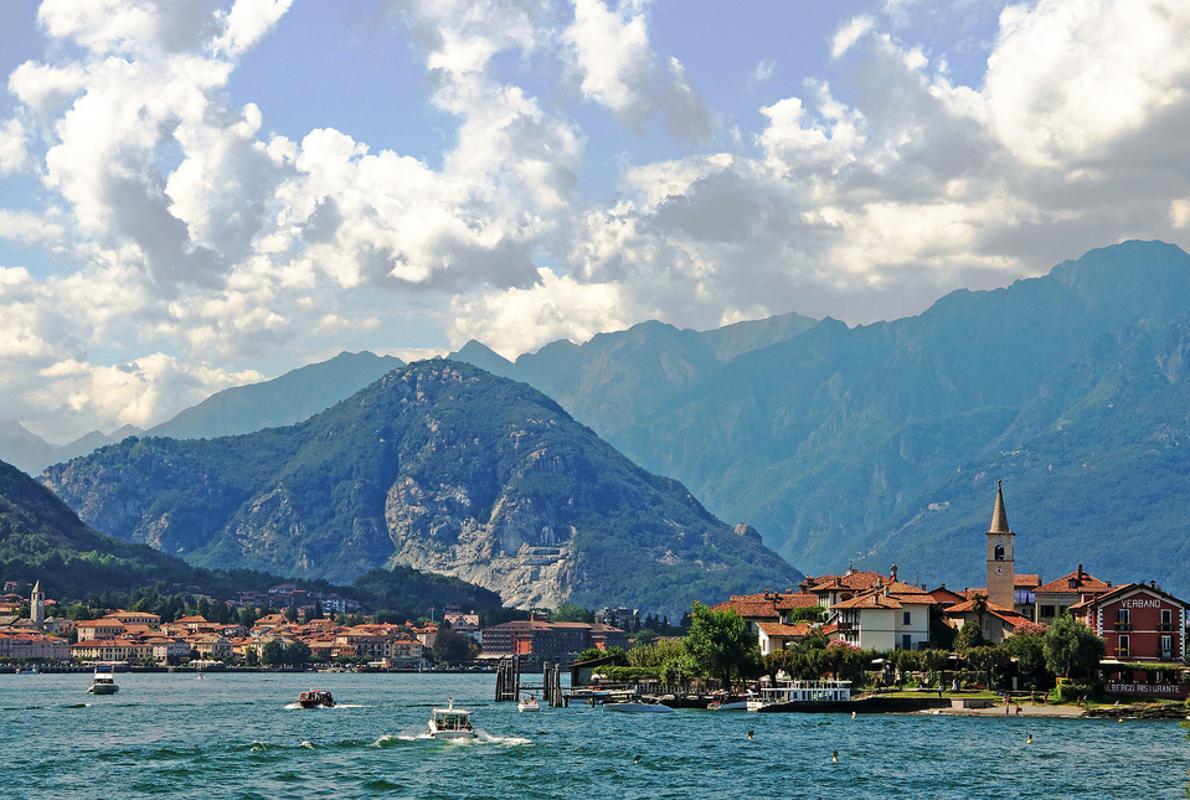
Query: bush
[[629, 674], [1074, 691]]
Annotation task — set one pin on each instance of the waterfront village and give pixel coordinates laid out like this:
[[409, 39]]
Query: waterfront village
[[1068, 637]]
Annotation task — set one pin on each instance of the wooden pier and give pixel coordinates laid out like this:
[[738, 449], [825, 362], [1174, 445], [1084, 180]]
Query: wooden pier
[[510, 688]]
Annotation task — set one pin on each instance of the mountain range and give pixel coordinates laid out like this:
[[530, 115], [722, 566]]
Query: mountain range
[[439, 466]]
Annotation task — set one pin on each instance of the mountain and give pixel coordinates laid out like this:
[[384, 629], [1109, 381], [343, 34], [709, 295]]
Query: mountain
[[743, 337], [290, 398], [878, 442], [42, 539], [439, 466], [31, 453]]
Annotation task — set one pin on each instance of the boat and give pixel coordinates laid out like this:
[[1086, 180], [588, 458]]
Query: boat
[[103, 681], [528, 704], [634, 707], [803, 696], [731, 703], [315, 698], [451, 722]]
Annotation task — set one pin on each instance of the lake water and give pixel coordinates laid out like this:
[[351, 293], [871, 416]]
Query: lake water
[[241, 736]]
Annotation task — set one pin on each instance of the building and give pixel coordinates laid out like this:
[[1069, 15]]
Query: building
[[33, 646], [626, 618], [775, 636], [465, 624], [554, 640], [768, 606], [831, 589], [37, 606], [1137, 622], [119, 649], [96, 629], [1056, 597], [995, 622], [1001, 560], [130, 618], [892, 616]]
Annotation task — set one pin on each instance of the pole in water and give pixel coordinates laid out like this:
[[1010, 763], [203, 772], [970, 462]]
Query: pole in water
[[835, 756]]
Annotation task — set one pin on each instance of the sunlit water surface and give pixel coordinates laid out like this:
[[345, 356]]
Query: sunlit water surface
[[242, 736]]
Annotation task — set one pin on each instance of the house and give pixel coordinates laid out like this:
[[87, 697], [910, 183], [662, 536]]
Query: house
[[33, 646], [775, 636], [1055, 598], [768, 606], [831, 589], [406, 654], [466, 624], [945, 598], [1137, 622], [995, 621], [119, 649], [211, 646], [128, 618], [894, 615], [167, 650], [626, 618], [95, 629]]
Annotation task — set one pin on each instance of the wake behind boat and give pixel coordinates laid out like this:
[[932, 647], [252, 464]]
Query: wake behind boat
[[103, 681], [451, 722]]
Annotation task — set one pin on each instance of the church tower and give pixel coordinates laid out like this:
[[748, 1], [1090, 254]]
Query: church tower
[[1001, 566], [37, 606]]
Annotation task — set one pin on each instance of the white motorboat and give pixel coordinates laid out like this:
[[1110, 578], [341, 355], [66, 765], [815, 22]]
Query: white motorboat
[[451, 723], [631, 707], [528, 704], [103, 681], [730, 705]]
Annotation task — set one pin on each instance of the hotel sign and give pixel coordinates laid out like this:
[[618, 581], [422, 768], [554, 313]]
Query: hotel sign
[[1147, 689]]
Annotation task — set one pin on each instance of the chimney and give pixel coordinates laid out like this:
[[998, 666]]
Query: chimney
[[1080, 572], [893, 571]]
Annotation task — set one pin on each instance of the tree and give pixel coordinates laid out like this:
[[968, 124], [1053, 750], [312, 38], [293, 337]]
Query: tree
[[571, 612], [808, 614], [971, 635], [291, 613], [297, 654], [272, 653], [1028, 650], [720, 643], [1072, 649], [452, 647], [986, 659]]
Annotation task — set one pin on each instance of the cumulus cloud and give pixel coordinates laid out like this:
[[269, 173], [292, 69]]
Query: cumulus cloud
[[849, 33], [620, 71]]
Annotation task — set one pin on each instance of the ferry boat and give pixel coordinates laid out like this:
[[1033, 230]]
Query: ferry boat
[[528, 704], [103, 681], [315, 698], [451, 722], [803, 696]]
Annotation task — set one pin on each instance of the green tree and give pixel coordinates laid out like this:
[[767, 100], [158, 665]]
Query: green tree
[[291, 613], [1072, 649], [987, 659], [452, 647], [272, 654], [720, 643], [571, 612], [808, 614], [1028, 651], [296, 654], [970, 635]]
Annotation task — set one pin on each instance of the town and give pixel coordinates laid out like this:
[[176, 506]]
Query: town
[[1137, 632]]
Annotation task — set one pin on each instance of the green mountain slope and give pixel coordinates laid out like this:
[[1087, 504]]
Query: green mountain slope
[[289, 398], [439, 466], [42, 539]]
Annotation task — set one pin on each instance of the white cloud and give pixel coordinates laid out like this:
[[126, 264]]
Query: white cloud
[[620, 71], [248, 22], [28, 227], [849, 33], [558, 307], [14, 156], [761, 73]]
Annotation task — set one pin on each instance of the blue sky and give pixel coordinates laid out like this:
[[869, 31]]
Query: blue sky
[[201, 193]]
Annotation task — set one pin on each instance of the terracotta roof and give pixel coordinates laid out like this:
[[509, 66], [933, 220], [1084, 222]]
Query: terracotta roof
[[944, 595], [1026, 580], [850, 580], [1005, 614], [1123, 589], [779, 629], [870, 600], [1077, 582]]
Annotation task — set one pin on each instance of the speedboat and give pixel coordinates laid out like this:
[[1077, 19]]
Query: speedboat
[[103, 681], [631, 707], [528, 704], [315, 698], [451, 722]]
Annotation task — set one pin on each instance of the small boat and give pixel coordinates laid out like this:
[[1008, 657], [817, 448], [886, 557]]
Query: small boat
[[315, 698], [528, 704], [730, 704], [451, 722], [103, 681], [630, 707]]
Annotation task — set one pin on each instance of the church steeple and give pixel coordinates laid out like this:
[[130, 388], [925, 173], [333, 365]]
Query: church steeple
[[37, 606], [999, 515]]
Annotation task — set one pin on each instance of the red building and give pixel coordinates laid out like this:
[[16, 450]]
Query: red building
[[1139, 624], [550, 639]]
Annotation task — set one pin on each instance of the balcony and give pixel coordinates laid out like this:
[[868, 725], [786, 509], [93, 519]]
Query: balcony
[[1123, 626], [1121, 652], [1165, 627]]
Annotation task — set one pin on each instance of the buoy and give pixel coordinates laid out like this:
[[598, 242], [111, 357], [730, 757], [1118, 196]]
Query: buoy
[[1029, 739], [835, 756], [750, 735]]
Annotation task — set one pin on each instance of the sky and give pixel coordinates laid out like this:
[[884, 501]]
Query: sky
[[197, 194]]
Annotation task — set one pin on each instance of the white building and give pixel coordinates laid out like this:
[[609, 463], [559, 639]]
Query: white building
[[895, 616]]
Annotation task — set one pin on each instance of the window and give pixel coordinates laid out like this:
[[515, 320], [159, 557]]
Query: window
[[998, 553], [906, 641], [1122, 615], [1166, 619], [1124, 642], [1047, 612], [1166, 645], [905, 618]]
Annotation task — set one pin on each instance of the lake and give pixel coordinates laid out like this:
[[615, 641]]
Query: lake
[[241, 736]]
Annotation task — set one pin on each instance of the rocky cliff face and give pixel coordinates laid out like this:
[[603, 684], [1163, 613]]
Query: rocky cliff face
[[439, 466]]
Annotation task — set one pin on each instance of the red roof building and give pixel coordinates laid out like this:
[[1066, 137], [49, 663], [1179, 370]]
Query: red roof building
[[1137, 622], [1053, 599]]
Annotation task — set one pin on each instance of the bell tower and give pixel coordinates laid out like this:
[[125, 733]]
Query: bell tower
[[1001, 565], [37, 606]]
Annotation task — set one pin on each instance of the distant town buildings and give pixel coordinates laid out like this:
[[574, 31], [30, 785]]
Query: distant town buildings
[[554, 640]]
